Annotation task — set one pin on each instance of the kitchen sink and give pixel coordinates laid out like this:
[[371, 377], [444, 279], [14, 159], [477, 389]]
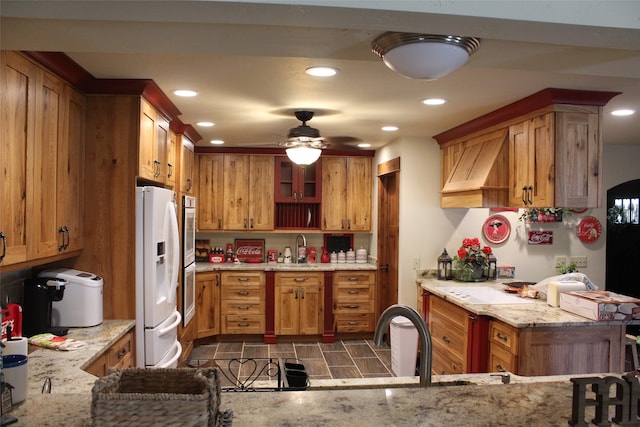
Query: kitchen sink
[[485, 295]]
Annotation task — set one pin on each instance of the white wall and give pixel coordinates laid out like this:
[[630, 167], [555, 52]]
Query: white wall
[[425, 228]]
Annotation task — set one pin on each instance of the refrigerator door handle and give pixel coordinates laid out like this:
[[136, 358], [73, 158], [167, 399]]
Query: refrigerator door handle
[[173, 324], [177, 348], [174, 258]]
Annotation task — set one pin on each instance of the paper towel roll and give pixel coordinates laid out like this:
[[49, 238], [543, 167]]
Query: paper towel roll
[[17, 345], [553, 293]]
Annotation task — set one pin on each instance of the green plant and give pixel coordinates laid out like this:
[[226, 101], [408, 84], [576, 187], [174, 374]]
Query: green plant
[[532, 214], [614, 215], [571, 268]]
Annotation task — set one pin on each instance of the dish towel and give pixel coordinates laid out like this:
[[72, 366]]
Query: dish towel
[[55, 342]]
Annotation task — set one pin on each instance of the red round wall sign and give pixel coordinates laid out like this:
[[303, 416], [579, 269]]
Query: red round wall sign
[[496, 229], [589, 229]]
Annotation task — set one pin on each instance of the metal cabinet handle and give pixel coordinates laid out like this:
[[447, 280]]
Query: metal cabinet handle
[[219, 222], [243, 325], [251, 223], [342, 223], [189, 184], [4, 245], [353, 306], [353, 292], [300, 279], [524, 195], [156, 168], [295, 196], [243, 279], [354, 279], [243, 293], [530, 195], [446, 339], [244, 223], [301, 196], [502, 337], [349, 223], [499, 368], [352, 323], [301, 293], [243, 307], [170, 168], [295, 293], [65, 237], [122, 353]]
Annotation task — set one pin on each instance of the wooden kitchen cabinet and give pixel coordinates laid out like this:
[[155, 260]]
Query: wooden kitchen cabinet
[[354, 301], [207, 318], [248, 192], [172, 160], [243, 300], [346, 193], [299, 306], [210, 194], [120, 355], [153, 143], [187, 165], [186, 337], [43, 146], [296, 183], [503, 347], [459, 338]]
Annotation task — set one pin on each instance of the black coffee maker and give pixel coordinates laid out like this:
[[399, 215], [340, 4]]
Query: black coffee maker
[[39, 293]]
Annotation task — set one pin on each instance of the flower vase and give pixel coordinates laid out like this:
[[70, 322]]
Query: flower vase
[[471, 273]]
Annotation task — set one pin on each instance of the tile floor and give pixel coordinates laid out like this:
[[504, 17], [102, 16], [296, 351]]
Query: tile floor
[[342, 359]]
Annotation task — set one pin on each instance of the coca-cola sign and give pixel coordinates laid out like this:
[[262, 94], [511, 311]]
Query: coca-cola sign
[[540, 237], [250, 250]]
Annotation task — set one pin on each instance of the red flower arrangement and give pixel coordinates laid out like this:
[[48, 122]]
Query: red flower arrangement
[[472, 259]]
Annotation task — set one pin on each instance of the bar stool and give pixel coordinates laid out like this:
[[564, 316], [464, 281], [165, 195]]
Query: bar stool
[[632, 341]]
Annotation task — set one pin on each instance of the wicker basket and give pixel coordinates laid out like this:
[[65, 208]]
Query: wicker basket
[[145, 397]]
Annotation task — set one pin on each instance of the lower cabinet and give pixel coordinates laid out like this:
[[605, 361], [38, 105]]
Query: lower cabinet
[[207, 318], [119, 355], [187, 336], [354, 301], [503, 347], [242, 307], [299, 303]]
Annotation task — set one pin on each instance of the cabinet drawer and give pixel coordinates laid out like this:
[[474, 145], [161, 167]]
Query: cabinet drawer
[[355, 323], [120, 354], [504, 335], [454, 314], [235, 307], [354, 277], [362, 306], [299, 278], [448, 337], [244, 293], [242, 278], [236, 324], [352, 292], [500, 360], [443, 364]]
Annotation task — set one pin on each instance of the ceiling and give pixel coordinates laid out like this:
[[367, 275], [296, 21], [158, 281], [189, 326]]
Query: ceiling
[[247, 61]]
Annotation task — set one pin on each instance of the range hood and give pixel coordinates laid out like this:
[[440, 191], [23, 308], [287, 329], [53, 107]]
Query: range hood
[[479, 174]]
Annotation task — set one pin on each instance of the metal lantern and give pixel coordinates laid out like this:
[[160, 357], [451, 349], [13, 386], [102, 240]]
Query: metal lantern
[[445, 264], [492, 272]]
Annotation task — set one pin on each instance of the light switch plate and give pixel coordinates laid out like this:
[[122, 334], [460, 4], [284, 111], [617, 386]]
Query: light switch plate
[[416, 263], [561, 261], [579, 261]]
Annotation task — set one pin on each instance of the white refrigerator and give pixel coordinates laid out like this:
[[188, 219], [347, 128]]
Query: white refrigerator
[[157, 269]]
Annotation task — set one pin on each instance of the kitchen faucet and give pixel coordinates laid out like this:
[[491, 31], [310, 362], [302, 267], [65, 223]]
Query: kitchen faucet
[[304, 244], [423, 332]]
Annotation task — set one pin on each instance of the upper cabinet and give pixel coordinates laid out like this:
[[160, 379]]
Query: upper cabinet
[[297, 194], [235, 192], [43, 158], [346, 193], [542, 151], [172, 160], [187, 165], [153, 144]]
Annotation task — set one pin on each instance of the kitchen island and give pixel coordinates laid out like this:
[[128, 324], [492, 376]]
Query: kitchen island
[[529, 338]]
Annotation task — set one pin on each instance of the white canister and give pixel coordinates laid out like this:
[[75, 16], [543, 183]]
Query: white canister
[[14, 368], [351, 256], [16, 345], [361, 256], [334, 257], [342, 258], [287, 255]]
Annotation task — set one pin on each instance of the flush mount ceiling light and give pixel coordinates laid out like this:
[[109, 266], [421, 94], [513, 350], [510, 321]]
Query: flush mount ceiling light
[[424, 56], [185, 92], [623, 112], [434, 101], [304, 144], [389, 128], [206, 124], [216, 142], [322, 71]]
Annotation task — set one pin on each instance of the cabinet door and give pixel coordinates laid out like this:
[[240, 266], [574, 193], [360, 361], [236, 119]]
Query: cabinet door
[[148, 166], [207, 304], [578, 154], [16, 149], [286, 310], [531, 161], [334, 193], [295, 183], [187, 158], [236, 187], [260, 193], [210, 195], [171, 164], [359, 183], [47, 237], [71, 170], [311, 309]]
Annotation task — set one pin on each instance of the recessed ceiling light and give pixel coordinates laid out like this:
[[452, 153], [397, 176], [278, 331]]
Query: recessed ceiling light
[[389, 128], [364, 145], [321, 71], [434, 101], [206, 124], [217, 142], [624, 112], [185, 92]]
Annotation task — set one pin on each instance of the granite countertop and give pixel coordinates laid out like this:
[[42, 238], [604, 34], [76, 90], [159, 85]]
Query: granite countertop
[[537, 314], [205, 266], [70, 396]]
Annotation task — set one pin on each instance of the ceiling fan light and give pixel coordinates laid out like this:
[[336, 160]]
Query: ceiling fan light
[[303, 155], [424, 56]]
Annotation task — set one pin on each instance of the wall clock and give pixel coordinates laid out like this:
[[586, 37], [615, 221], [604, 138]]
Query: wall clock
[[496, 229]]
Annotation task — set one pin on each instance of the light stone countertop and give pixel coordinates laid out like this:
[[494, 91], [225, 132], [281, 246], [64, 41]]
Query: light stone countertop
[[70, 398], [247, 266], [538, 314]]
